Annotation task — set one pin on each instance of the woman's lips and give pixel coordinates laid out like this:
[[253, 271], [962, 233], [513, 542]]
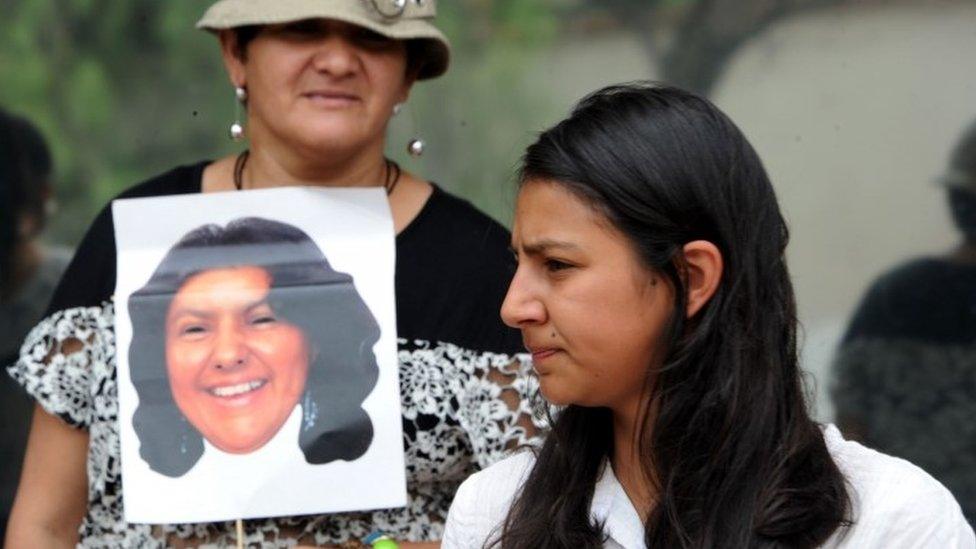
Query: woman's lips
[[237, 394], [329, 99], [539, 355]]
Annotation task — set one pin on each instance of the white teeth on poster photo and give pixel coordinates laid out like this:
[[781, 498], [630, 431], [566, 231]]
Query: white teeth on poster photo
[[239, 389]]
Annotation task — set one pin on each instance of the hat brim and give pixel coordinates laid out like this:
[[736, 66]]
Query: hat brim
[[436, 48]]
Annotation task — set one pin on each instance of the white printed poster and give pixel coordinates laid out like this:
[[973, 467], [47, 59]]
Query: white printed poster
[[257, 367]]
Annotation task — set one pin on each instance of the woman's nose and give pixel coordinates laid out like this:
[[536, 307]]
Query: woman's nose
[[335, 56], [230, 350], [523, 305]]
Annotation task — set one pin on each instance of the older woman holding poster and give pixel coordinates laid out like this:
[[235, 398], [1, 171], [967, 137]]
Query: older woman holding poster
[[319, 82]]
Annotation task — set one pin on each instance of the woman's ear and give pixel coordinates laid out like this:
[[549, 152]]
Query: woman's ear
[[410, 76], [703, 272], [409, 80], [233, 57]]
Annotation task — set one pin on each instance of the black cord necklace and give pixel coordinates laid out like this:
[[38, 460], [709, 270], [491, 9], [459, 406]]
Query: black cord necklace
[[239, 168], [391, 172]]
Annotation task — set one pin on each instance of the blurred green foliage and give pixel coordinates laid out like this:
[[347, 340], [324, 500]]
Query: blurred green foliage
[[125, 90], [122, 90], [479, 118]]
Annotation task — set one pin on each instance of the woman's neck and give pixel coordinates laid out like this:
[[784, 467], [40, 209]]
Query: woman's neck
[[406, 202], [269, 166], [627, 461]]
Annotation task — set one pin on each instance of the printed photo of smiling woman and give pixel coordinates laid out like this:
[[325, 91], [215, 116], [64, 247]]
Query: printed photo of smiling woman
[[236, 327]]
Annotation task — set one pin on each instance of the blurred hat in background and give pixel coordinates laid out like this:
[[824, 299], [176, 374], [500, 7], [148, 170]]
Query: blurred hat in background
[[961, 173]]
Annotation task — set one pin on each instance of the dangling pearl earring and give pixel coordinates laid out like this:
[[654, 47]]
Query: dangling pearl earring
[[237, 128], [415, 147]]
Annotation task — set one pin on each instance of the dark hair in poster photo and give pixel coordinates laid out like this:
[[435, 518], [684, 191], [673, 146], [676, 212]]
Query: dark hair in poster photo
[[238, 325]]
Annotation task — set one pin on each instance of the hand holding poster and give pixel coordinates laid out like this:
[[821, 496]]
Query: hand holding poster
[[257, 361]]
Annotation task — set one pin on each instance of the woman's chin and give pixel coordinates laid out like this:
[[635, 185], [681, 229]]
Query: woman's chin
[[566, 394], [332, 136], [556, 394], [243, 437], [240, 445]]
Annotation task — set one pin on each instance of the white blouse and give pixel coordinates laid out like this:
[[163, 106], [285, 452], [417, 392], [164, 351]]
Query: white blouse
[[895, 504]]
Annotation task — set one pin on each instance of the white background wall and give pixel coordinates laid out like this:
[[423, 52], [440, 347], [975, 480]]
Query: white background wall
[[854, 112]]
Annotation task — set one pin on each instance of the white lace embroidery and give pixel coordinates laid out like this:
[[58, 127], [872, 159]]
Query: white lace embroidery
[[462, 410]]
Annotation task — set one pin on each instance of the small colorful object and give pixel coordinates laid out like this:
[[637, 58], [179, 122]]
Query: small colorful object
[[379, 540]]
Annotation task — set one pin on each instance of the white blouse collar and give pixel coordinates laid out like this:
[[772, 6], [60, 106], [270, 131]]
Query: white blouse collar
[[612, 508]]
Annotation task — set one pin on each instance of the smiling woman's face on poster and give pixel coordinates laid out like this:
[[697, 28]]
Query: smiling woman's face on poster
[[236, 369], [241, 330]]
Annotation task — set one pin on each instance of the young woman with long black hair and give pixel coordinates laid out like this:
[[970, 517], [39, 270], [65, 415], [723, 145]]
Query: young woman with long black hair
[[653, 293]]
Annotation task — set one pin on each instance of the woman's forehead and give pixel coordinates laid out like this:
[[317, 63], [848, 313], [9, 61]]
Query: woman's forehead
[[548, 215], [229, 284]]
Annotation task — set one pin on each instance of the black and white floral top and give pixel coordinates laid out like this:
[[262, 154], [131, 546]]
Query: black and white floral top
[[466, 390]]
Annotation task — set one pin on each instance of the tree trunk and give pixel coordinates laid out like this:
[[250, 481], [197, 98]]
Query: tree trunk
[[710, 34]]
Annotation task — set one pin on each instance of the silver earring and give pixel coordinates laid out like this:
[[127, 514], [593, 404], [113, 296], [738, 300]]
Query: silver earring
[[397, 109], [415, 147], [237, 128], [183, 426]]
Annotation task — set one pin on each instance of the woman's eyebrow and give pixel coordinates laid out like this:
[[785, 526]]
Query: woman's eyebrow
[[260, 302], [546, 244], [188, 311], [207, 313]]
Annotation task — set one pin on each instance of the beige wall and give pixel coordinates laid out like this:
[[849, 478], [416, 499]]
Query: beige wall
[[854, 111]]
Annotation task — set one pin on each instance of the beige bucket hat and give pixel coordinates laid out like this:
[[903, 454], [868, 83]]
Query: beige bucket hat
[[397, 19]]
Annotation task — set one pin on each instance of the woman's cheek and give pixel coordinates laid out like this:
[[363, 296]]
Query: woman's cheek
[[186, 359], [275, 344], [299, 360], [284, 350]]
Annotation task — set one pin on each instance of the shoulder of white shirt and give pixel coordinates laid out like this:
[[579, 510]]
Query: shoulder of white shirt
[[482, 502], [894, 503]]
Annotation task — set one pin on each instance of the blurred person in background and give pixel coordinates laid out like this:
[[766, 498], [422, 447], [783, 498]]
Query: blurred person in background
[[905, 372], [29, 272], [319, 81]]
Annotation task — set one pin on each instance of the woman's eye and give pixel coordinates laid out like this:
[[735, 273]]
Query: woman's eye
[[368, 39], [193, 330], [302, 29], [263, 320], [555, 265]]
